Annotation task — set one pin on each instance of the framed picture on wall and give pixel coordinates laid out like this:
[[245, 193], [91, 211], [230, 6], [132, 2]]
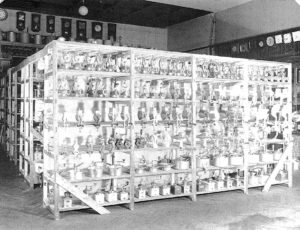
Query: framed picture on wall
[[112, 31], [35, 22], [81, 30], [21, 19], [66, 28], [50, 24]]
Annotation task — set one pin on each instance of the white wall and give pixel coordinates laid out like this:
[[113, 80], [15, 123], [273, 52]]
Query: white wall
[[256, 17], [131, 34], [190, 35], [250, 19]]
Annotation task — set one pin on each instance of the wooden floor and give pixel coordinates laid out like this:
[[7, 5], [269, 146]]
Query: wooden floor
[[21, 208]]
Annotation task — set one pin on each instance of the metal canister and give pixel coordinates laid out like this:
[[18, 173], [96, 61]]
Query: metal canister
[[38, 39], [24, 37], [11, 36]]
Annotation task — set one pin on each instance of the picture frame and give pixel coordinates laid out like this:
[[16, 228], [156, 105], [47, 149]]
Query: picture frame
[[50, 24], [35, 22]]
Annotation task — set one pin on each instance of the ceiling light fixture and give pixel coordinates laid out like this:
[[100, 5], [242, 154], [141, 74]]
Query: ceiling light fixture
[[1, 1], [82, 10], [298, 2]]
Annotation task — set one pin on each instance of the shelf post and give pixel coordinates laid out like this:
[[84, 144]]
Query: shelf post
[[290, 126], [193, 144], [246, 104], [132, 122]]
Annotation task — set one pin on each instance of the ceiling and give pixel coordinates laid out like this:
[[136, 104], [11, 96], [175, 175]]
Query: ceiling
[[209, 5], [136, 12]]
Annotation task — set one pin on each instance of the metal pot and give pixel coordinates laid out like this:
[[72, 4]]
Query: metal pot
[[202, 162], [115, 170], [11, 36], [221, 161], [99, 171], [182, 164], [165, 166], [236, 160], [253, 178], [38, 39], [153, 169]]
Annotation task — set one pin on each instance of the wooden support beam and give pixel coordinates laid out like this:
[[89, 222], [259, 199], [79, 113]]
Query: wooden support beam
[[279, 165], [80, 195]]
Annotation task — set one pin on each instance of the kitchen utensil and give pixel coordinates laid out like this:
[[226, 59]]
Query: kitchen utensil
[[202, 162], [182, 163], [221, 161], [115, 170]]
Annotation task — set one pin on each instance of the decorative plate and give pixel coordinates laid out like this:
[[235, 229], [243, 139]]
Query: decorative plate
[[278, 39], [261, 44], [287, 38], [270, 41], [3, 14]]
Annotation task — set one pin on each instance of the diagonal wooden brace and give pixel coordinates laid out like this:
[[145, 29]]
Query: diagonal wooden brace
[[80, 195], [279, 165]]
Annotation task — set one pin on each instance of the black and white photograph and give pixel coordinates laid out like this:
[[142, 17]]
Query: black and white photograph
[[150, 114]]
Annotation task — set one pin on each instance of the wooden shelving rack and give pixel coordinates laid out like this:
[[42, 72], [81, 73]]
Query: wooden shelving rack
[[4, 65], [28, 122], [70, 122]]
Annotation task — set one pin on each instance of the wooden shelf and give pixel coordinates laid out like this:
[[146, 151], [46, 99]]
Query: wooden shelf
[[274, 183], [218, 80], [148, 198], [21, 44], [162, 172], [78, 207], [161, 77], [103, 177], [220, 190], [93, 73]]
